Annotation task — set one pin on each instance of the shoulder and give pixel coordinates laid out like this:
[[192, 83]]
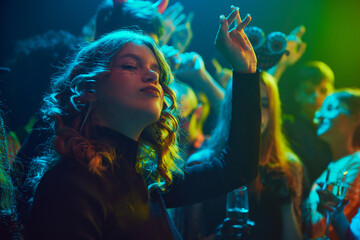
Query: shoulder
[[68, 201], [295, 166], [293, 160], [67, 178]]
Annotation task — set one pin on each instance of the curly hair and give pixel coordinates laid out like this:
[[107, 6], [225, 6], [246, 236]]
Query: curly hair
[[69, 108]]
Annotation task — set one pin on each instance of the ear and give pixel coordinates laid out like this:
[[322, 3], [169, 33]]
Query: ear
[[91, 95], [91, 90]]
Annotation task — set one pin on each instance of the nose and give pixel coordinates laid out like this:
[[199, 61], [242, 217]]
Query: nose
[[151, 76], [318, 117]]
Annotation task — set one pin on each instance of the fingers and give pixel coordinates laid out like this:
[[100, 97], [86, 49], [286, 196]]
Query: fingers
[[298, 31], [232, 16], [301, 49], [241, 38], [237, 18], [223, 29], [178, 20], [217, 65], [244, 23], [190, 17], [173, 11]]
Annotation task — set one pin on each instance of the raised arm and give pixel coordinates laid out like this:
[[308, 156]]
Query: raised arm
[[238, 164], [295, 49]]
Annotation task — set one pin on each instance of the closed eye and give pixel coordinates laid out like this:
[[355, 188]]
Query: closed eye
[[128, 67]]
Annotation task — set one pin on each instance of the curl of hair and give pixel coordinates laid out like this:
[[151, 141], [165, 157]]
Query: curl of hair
[[69, 109]]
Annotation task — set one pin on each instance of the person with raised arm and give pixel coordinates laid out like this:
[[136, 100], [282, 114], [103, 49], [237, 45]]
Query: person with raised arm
[[115, 165]]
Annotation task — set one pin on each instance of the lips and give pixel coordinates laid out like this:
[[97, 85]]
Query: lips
[[152, 90]]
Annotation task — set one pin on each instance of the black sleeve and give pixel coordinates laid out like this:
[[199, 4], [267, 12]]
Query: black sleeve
[[238, 165]]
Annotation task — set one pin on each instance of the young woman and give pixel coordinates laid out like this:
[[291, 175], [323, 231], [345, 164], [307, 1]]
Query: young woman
[[116, 167], [338, 125], [275, 196]]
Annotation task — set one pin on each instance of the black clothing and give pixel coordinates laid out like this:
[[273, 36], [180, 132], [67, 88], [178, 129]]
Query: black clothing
[[314, 153], [73, 203]]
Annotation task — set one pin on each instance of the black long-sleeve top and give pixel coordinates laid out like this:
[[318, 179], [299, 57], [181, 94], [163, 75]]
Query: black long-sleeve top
[[73, 203]]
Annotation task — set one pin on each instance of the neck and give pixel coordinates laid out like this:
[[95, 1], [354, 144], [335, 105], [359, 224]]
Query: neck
[[128, 125], [340, 150]]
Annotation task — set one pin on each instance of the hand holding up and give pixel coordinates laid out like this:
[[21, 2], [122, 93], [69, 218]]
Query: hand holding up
[[173, 17], [183, 34], [295, 47], [234, 45], [329, 202]]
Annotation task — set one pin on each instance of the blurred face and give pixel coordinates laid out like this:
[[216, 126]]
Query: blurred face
[[334, 120], [133, 86], [265, 113], [311, 96]]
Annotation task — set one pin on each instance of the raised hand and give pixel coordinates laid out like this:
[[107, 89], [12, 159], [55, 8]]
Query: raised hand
[[172, 55], [183, 34], [295, 47], [223, 75], [294, 50], [329, 202], [191, 68], [172, 18], [234, 45]]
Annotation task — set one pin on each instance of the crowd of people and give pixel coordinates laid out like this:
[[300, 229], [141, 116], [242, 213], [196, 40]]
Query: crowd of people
[[125, 135]]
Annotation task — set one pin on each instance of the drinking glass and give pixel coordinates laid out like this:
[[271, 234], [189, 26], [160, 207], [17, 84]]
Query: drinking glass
[[335, 182], [237, 204]]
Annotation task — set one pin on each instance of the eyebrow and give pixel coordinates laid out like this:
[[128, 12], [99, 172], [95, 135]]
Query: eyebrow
[[138, 59]]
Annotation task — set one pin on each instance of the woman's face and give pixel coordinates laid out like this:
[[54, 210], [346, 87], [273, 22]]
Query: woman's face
[[264, 107], [133, 87], [334, 120], [311, 96]]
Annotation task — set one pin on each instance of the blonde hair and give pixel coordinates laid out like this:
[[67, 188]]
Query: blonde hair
[[274, 148]]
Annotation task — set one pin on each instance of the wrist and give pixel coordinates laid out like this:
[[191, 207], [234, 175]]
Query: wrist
[[250, 69], [336, 216]]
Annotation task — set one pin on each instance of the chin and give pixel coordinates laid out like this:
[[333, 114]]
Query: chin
[[324, 134], [321, 131], [151, 116], [323, 128]]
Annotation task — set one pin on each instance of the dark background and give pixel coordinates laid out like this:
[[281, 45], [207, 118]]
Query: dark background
[[332, 34]]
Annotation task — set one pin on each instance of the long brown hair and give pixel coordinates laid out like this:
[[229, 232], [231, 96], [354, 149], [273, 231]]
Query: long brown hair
[[69, 107], [275, 151]]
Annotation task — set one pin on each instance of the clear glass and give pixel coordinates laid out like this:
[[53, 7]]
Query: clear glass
[[335, 183], [237, 204]]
